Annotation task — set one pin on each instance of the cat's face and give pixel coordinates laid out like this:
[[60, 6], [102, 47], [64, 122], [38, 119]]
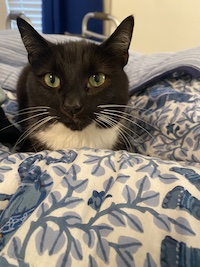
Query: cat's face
[[75, 79]]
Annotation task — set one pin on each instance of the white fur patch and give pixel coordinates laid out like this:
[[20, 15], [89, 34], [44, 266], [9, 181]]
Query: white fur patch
[[59, 136]]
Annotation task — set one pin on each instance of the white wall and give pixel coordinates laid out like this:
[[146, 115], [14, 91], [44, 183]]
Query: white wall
[[3, 13], [161, 25]]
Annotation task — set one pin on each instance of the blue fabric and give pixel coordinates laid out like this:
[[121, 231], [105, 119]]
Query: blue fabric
[[59, 16]]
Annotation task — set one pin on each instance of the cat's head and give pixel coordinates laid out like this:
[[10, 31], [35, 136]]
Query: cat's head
[[75, 79]]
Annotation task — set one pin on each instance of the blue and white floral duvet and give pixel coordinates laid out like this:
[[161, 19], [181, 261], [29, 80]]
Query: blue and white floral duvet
[[86, 207]]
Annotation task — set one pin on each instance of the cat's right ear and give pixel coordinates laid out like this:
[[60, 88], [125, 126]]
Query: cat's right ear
[[34, 43], [117, 45]]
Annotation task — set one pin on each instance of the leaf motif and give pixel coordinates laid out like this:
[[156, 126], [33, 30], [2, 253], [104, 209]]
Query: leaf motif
[[42, 209], [183, 152], [98, 170], [68, 157], [197, 143], [76, 250], [64, 261], [129, 194], [195, 159], [130, 243], [125, 164], [5, 169], [121, 178], [59, 170], [108, 184], [167, 178], [92, 262], [65, 182], [149, 261], [89, 238], [176, 113], [77, 185], [110, 164], [128, 160], [162, 222], [103, 249], [15, 247], [151, 198], [189, 141], [49, 239], [134, 223], [9, 160], [80, 185], [72, 218], [151, 168], [183, 227], [92, 159], [74, 170], [116, 218], [104, 229], [144, 182], [54, 197], [72, 202], [125, 248]]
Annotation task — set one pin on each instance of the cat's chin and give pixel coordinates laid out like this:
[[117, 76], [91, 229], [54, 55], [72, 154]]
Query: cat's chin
[[77, 126], [75, 123]]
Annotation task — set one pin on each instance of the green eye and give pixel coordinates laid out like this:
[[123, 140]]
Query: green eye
[[52, 80], [97, 80]]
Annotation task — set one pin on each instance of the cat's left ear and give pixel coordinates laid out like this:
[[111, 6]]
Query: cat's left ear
[[36, 46], [118, 43]]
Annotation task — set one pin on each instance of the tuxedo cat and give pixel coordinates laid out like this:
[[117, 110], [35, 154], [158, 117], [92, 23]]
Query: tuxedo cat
[[73, 94]]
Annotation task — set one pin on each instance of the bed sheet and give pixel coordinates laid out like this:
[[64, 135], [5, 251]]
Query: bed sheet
[[92, 207]]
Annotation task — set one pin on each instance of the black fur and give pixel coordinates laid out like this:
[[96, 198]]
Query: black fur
[[74, 103]]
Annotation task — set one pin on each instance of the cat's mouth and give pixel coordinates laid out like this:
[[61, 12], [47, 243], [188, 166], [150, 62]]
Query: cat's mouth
[[76, 123]]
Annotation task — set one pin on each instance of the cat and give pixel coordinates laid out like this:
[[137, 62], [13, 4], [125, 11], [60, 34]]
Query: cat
[[71, 94]]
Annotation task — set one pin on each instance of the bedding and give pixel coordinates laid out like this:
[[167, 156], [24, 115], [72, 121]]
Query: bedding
[[88, 207]]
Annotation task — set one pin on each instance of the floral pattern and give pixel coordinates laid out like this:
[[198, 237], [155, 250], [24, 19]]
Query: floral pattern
[[82, 212], [168, 117]]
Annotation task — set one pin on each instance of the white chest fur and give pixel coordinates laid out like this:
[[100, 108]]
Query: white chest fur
[[59, 136]]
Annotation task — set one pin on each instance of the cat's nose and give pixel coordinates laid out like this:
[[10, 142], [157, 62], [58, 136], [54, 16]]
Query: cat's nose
[[72, 106], [75, 109]]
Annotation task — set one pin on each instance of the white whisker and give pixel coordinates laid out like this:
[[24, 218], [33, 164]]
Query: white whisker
[[121, 124], [122, 117], [125, 139], [124, 127], [33, 128], [124, 134], [34, 116], [30, 109], [121, 106], [128, 114], [7, 127], [26, 119]]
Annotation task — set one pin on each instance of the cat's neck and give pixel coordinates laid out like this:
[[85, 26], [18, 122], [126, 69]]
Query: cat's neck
[[58, 136]]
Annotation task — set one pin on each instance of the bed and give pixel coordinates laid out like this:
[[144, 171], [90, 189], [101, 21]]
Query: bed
[[87, 207]]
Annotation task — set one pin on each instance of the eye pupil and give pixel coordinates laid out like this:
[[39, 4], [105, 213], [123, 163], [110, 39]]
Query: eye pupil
[[52, 78], [96, 78]]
